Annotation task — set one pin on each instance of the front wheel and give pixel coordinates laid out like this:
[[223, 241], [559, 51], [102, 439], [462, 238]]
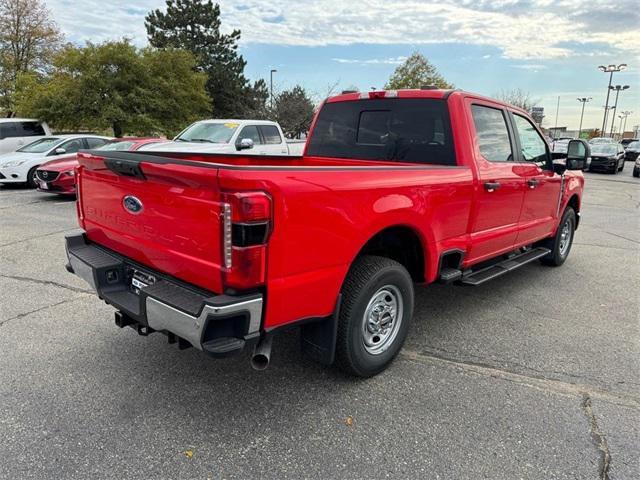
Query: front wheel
[[560, 244], [32, 179], [376, 310], [621, 166]]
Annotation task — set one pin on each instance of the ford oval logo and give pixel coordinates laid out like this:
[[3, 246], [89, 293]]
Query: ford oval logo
[[132, 204]]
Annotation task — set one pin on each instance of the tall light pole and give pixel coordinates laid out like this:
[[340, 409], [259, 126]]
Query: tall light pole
[[582, 100], [623, 115], [617, 88], [555, 128], [271, 87], [610, 69]]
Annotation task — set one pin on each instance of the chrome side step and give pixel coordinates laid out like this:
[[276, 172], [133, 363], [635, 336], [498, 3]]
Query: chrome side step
[[478, 277]]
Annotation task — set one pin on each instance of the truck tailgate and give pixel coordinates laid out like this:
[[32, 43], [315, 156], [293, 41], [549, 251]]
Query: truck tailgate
[[166, 216]]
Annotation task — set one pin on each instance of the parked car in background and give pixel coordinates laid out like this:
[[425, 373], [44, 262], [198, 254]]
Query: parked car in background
[[628, 141], [20, 166], [607, 157], [632, 151], [597, 140], [17, 132], [58, 176], [246, 137]]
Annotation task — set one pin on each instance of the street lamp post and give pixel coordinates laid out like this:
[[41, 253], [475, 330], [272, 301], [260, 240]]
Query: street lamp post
[[624, 115], [610, 69], [271, 87], [617, 88], [582, 100]]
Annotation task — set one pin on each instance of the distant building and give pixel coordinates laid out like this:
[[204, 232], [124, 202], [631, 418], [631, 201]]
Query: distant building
[[562, 132]]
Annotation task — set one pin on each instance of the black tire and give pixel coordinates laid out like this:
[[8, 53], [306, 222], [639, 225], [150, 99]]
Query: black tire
[[621, 166], [636, 172], [31, 177], [371, 278], [614, 171], [559, 249]]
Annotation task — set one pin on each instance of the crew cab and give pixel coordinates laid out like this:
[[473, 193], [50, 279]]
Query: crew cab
[[247, 137], [395, 189]]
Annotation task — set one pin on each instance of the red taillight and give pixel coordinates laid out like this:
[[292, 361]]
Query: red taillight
[[246, 225]]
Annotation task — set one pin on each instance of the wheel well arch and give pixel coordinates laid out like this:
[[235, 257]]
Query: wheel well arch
[[574, 202], [402, 244]]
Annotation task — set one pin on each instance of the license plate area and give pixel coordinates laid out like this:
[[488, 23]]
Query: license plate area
[[138, 279]]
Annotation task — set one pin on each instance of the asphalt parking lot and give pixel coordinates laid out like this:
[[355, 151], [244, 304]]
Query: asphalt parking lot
[[534, 375]]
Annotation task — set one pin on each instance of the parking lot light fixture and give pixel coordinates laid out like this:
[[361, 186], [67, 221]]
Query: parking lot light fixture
[[582, 100], [618, 89], [610, 69]]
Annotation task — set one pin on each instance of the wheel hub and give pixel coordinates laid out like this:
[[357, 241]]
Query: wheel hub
[[382, 319]]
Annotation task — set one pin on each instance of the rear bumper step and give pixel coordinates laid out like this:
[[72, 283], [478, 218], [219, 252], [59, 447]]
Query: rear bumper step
[[478, 277], [219, 325]]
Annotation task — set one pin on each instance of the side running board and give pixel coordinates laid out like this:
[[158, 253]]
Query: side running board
[[478, 277]]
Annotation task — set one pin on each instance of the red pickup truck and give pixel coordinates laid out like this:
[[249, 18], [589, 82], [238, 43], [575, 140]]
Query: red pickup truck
[[395, 188]]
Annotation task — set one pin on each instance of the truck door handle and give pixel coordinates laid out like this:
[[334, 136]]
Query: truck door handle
[[532, 182], [491, 186]]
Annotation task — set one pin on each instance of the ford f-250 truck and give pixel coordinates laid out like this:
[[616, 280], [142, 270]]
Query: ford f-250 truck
[[395, 188]]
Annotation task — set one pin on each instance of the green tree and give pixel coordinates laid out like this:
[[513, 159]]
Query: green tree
[[416, 72], [116, 86], [194, 25], [28, 40], [293, 109]]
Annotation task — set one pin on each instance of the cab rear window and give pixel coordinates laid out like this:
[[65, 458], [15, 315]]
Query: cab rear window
[[403, 130]]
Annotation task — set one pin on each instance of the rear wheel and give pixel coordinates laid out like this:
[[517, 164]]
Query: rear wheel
[[32, 181], [560, 244], [376, 309]]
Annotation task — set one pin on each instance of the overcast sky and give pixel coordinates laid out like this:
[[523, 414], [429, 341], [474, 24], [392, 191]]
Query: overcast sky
[[549, 48]]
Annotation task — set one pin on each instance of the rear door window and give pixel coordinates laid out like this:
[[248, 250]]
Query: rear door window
[[30, 129], [8, 130], [492, 133], [96, 142], [251, 131], [390, 129], [271, 135]]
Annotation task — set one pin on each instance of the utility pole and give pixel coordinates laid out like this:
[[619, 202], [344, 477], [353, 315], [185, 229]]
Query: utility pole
[[611, 69], [617, 88], [582, 100], [271, 88], [555, 128]]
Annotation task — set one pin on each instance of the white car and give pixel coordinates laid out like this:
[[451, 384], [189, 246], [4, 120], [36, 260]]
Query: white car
[[17, 132], [20, 166], [246, 137], [599, 140]]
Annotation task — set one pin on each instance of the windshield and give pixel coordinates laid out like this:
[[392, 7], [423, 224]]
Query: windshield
[[116, 146], [208, 132], [40, 146], [407, 130], [600, 140], [604, 149], [634, 146]]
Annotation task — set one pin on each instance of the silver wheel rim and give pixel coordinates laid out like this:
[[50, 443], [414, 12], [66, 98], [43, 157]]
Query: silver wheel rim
[[565, 237], [382, 319]]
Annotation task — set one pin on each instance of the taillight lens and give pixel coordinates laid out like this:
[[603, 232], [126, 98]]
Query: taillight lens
[[246, 225]]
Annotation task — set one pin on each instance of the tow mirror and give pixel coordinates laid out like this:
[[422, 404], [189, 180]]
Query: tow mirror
[[244, 144], [578, 152]]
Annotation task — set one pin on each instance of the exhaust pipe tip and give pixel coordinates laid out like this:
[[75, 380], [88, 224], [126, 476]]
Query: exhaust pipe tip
[[260, 361], [262, 354]]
